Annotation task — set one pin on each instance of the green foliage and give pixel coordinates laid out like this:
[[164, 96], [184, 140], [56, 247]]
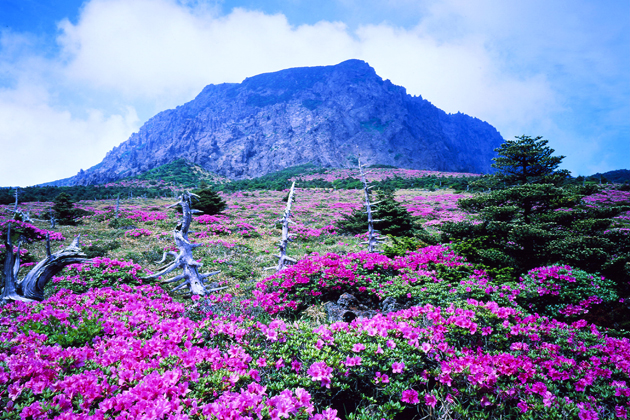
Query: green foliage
[[6, 197], [276, 181], [563, 292], [72, 332], [180, 172], [120, 223], [400, 245], [393, 218], [100, 250], [64, 211], [536, 225], [528, 160], [209, 202]]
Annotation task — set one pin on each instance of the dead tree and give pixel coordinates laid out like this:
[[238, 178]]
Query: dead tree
[[31, 287], [282, 256], [192, 280], [373, 235]]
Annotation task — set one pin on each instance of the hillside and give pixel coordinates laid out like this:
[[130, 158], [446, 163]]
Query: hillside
[[325, 116], [436, 336]]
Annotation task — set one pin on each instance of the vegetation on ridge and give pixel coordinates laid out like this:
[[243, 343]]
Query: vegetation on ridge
[[484, 313]]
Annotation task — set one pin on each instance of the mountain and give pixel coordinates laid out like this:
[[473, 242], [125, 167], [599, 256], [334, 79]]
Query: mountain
[[320, 115], [619, 176]]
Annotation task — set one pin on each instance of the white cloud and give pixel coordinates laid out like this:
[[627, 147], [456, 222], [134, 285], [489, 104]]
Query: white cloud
[[156, 48], [42, 144], [458, 76], [134, 52]]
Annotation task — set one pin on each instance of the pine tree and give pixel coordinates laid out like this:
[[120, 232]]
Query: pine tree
[[393, 219], [209, 202], [528, 160], [64, 211]]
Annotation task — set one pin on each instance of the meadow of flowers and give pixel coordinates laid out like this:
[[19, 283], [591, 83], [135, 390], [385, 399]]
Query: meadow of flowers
[[379, 174], [460, 344]]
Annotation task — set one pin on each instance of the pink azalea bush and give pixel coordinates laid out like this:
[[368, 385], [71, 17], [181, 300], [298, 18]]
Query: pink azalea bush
[[30, 231], [429, 275], [141, 357], [97, 272], [560, 290], [137, 233]]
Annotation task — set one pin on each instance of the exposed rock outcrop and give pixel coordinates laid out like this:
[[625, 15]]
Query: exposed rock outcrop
[[295, 116]]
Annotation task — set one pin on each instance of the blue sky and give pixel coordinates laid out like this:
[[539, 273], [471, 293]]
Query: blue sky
[[78, 77]]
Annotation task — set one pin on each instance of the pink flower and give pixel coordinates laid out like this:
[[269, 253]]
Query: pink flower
[[410, 396], [522, 406], [353, 361], [320, 371], [398, 367], [327, 414], [430, 400], [588, 414], [381, 378], [358, 347]]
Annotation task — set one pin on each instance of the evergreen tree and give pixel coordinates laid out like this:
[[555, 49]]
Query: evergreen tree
[[528, 160], [393, 219], [528, 226], [64, 211], [209, 201]]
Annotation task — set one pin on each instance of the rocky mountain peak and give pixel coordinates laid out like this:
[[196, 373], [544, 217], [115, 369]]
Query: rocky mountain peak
[[323, 115]]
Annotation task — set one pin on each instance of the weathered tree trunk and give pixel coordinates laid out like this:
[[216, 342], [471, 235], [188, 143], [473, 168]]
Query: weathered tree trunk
[[11, 269], [372, 234], [192, 280], [31, 287], [282, 256]]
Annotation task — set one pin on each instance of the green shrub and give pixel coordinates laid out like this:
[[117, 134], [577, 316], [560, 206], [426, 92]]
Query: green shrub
[[72, 332], [560, 291]]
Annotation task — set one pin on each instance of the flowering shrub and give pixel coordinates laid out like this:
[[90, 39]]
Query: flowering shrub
[[410, 279], [146, 216], [144, 361], [143, 358], [137, 233], [29, 231], [306, 233], [210, 219], [560, 290], [98, 272], [246, 230]]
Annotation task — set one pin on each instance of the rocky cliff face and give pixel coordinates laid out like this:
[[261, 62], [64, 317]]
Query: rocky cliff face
[[322, 115]]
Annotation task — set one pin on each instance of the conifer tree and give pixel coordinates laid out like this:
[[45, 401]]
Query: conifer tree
[[209, 201], [528, 160], [63, 210], [393, 219]]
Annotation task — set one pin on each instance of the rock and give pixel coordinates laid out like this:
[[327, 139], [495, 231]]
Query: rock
[[346, 309], [319, 115], [390, 304], [347, 300]]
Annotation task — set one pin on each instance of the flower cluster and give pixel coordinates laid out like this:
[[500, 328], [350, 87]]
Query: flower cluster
[[561, 290], [136, 233], [30, 232]]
